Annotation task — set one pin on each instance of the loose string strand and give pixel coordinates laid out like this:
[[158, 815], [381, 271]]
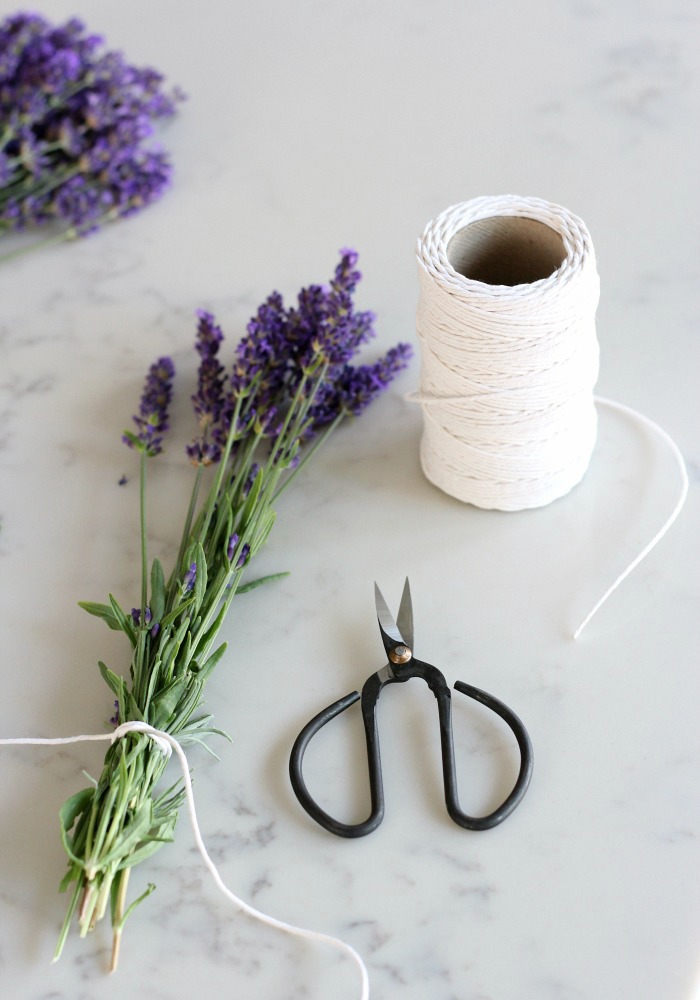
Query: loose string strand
[[683, 475], [166, 744]]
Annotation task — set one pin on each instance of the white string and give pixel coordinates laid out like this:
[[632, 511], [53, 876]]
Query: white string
[[683, 475], [508, 370], [164, 740]]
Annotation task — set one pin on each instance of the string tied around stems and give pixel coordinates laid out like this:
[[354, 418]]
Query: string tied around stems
[[165, 740]]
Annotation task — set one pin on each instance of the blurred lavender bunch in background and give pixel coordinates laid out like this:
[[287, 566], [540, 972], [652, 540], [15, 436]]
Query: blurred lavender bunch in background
[[74, 125]]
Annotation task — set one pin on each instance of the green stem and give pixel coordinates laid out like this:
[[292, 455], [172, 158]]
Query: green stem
[[134, 773], [72, 233], [118, 917], [309, 452], [300, 412], [68, 918], [171, 589], [61, 237], [190, 516], [41, 187], [144, 540], [223, 596], [55, 169], [243, 463], [104, 807], [291, 412], [214, 491], [227, 587]]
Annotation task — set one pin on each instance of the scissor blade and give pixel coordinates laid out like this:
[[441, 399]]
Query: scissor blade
[[386, 619], [405, 617]]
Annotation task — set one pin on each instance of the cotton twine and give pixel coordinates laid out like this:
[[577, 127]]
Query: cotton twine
[[506, 324], [167, 743]]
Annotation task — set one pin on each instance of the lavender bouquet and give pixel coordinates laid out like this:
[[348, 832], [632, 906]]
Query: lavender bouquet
[[74, 125], [290, 385]]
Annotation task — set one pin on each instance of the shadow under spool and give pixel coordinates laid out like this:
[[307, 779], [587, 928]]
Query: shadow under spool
[[506, 251]]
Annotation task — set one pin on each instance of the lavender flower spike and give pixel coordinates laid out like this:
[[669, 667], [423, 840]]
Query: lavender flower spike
[[208, 401], [152, 418]]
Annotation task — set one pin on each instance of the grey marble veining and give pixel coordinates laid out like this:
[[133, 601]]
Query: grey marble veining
[[312, 126]]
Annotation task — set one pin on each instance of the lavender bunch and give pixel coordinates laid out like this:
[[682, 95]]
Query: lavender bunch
[[292, 381], [74, 125]]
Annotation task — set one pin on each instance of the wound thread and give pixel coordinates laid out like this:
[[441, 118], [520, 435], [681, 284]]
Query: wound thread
[[506, 323]]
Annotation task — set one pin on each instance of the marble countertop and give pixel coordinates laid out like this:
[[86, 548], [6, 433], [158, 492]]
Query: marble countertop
[[311, 126]]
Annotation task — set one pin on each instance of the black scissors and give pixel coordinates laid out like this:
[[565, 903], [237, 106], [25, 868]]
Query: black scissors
[[397, 637]]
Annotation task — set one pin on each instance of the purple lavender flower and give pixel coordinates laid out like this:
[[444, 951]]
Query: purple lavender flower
[[76, 121], [242, 556], [265, 358], [152, 418], [287, 350], [353, 388], [280, 343], [250, 479], [83, 203], [136, 616], [114, 719], [341, 330], [208, 401], [268, 424], [231, 547], [189, 579]]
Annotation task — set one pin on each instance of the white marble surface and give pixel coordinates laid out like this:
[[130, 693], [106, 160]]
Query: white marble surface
[[311, 126]]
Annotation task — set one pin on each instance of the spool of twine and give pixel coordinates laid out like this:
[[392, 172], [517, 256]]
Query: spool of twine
[[506, 324]]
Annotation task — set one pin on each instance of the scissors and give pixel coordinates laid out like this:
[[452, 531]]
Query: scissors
[[402, 665]]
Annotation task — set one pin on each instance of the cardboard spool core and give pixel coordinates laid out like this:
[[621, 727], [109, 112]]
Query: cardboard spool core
[[506, 251]]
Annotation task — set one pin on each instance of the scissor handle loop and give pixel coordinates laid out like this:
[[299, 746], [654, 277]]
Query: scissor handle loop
[[296, 776], [370, 695], [449, 772]]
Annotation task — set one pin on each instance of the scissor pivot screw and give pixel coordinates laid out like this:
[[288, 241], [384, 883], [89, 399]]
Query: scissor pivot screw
[[400, 654]]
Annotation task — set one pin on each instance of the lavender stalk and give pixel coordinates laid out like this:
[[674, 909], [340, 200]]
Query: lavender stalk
[[291, 383]]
